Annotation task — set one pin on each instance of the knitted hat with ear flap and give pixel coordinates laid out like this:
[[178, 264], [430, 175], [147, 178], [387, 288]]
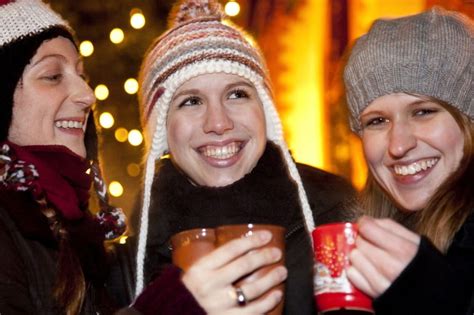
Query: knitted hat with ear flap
[[24, 26], [199, 41]]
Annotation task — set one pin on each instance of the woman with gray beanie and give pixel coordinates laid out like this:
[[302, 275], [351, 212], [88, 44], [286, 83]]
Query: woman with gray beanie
[[410, 93]]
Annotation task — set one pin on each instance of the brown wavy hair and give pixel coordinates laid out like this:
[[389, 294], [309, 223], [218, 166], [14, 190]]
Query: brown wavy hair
[[450, 205]]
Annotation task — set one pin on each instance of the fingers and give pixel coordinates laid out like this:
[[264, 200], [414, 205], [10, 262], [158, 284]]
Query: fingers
[[358, 280], [371, 265], [398, 229], [211, 278], [385, 233], [256, 287], [383, 250], [260, 306], [250, 262], [388, 264]]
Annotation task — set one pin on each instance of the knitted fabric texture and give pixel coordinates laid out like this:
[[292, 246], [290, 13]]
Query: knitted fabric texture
[[428, 54], [200, 42], [21, 18]]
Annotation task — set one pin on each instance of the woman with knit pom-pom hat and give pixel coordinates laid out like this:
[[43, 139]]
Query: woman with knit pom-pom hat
[[206, 101], [409, 84], [53, 258]]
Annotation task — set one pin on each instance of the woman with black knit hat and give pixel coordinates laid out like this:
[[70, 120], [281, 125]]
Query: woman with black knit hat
[[53, 258], [206, 101], [410, 91]]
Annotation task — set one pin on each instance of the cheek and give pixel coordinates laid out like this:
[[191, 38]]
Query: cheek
[[374, 148], [449, 140], [255, 120], [179, 132], [22, 124], [454, 147]]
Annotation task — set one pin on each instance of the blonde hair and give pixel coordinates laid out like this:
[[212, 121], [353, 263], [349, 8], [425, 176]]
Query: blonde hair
[[447, 209]]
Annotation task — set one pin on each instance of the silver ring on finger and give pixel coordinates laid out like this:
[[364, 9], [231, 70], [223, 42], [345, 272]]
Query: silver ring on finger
[[240, 297]]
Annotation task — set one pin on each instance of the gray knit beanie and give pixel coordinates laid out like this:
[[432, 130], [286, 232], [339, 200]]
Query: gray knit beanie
[[429, 54]]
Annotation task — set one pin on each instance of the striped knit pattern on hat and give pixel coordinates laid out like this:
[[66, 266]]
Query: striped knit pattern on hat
[[21, 18], [428, 54], [200, 42]]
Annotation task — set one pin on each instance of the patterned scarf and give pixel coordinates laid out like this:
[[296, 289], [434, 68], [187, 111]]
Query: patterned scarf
[[56, 176]]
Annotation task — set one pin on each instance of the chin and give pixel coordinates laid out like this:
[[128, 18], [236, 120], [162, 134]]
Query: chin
[[224, 181]]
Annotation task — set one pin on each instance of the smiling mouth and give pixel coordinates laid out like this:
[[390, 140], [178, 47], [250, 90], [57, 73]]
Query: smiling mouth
[[221, 152], [69, 124], [416, 167]]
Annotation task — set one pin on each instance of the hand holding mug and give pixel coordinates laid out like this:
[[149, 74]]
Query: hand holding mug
[[210, 279], [383, 250]]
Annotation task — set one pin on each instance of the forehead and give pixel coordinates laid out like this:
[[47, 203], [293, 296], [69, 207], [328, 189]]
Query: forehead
[[58, 47], [213, 81], [393, 102]]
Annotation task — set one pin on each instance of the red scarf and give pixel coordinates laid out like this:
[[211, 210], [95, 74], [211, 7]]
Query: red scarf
[[61, 177]]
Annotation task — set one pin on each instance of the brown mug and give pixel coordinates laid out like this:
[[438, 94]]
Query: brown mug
[[189, 246], [227, 233]]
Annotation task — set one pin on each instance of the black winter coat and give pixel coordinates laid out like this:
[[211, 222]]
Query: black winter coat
[[328, 196], [434, 283], [28, 263]]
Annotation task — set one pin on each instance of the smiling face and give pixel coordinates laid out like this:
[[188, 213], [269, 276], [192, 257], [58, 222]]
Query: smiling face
[[411, 146], [216, 128], [52, 101]]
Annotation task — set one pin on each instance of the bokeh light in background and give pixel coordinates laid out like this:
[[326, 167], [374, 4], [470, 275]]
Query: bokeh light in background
[[135, 137], [131, 86], [137, 19], [133, 169], [116, 35], [106, 120], [115, 188], [101, 92], [232, 8], [86, 48], [121, 134]]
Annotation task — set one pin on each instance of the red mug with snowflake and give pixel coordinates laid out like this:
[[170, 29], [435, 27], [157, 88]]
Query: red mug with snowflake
[[332, 290]]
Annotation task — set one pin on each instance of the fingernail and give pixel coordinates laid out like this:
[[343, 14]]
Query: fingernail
[[276, 254], [277, 295], [282, 272], [264, 236]]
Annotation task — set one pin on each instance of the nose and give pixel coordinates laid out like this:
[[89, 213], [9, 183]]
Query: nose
[[82, 93], [402, 139], [217, 119]]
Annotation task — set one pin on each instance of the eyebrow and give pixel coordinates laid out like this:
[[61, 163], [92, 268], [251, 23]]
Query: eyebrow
[[195, 91], [59, 56]]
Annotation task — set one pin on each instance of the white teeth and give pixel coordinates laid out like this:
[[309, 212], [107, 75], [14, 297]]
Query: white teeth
[[68, 124], [414, 167], [221, 153]]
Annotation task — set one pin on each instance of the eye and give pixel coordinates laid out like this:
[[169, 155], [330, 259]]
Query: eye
[[424, 111], [238, 93], [53, 77], [374, 122], [190, 101]]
